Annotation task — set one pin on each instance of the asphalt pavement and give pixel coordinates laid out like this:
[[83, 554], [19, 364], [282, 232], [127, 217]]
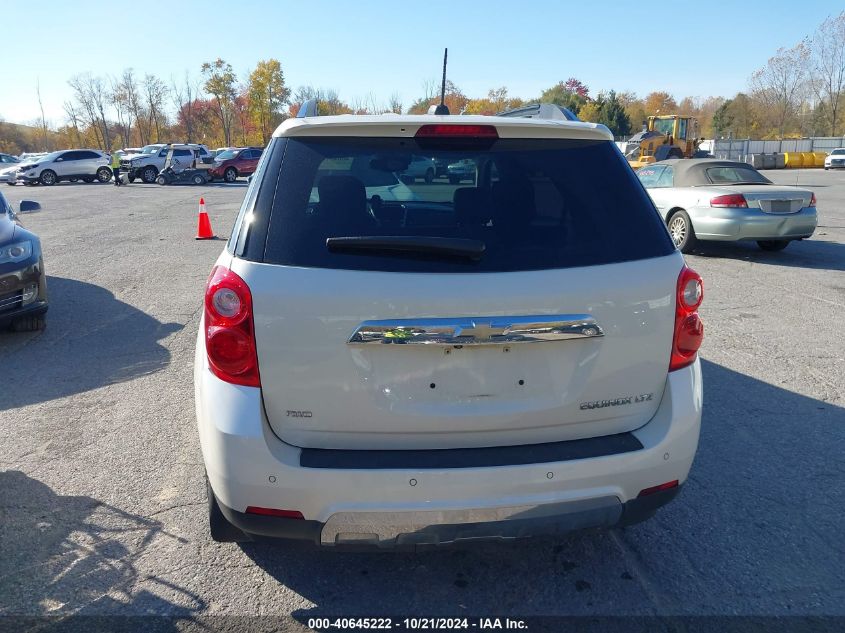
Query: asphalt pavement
[[102, 497]]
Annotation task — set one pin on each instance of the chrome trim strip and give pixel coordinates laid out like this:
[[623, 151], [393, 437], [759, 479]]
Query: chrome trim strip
[[503, 330]]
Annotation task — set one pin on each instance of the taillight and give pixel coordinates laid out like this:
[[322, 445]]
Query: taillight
[[689, 330], [730, 200], [229, 334], [457, 131], [812, 199]]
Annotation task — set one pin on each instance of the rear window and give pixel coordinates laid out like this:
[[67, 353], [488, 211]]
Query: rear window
[[735, 175], [532, 204]]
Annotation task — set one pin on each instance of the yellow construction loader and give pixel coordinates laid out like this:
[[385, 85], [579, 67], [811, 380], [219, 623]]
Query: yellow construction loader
[[664, 136]]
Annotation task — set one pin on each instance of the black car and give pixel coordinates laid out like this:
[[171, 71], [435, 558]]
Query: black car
[[23, 284]]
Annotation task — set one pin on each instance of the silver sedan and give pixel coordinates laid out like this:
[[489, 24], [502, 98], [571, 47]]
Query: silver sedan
[[706, 199]]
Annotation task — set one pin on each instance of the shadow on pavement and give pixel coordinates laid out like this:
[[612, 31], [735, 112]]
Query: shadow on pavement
[[810, 253], [64, 555], [92, 340], [756, 530]]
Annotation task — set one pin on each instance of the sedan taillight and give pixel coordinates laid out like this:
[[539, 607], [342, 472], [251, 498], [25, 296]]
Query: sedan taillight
[[730, 200], [229, 331], [689, 330], [812, 200]]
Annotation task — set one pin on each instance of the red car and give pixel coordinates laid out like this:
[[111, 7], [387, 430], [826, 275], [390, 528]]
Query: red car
[[232, 163]]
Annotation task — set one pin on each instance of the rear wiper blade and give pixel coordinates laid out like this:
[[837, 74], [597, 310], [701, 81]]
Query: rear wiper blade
[[449, 246]]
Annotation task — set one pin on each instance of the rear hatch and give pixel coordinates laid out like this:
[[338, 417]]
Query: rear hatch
[[534, 305]]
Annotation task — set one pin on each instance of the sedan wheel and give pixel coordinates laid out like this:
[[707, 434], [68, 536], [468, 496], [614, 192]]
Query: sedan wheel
[[680, 228]]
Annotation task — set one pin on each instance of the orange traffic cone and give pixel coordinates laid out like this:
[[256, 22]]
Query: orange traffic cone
[[204, 231]]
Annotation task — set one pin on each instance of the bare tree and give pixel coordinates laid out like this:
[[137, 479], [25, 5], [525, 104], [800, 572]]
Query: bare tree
[[395, 103], [184, 96], [42, 123], [828, 65], [121, 107], [74, 119], [135, 109], [155, 94], [780, 84]]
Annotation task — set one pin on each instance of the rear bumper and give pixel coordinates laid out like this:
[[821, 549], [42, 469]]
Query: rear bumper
[[248, 465], [729, 224], [398, 530]]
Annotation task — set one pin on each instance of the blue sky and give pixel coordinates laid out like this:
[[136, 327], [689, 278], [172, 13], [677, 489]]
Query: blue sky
[[358, 48]]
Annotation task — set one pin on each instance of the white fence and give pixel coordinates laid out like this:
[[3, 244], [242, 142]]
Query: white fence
[[741, 149]]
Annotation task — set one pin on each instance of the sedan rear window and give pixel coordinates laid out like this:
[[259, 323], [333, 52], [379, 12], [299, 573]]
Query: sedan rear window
[[736, 175], [524, 204]]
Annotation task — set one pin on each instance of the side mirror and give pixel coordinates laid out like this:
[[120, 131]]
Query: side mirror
[[28, 206], [59, 159]]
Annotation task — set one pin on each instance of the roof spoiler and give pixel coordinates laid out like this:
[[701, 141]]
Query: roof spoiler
[[549, 111], [309, 108]]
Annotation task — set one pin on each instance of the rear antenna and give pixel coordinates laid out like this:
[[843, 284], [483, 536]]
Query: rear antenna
[[442, 108]]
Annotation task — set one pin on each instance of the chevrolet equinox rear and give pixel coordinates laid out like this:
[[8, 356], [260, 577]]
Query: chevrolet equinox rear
[[394, 363]]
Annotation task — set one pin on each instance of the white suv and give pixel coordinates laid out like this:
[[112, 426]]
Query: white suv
[[87, 165], [396, 365]]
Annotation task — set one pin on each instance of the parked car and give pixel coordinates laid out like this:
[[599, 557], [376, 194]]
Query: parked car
[[150, 161], [516, 359], [87, 165], [420, 167], [230, 164], [9, 169], [836, 159], [23, 284], [462, 170], [705, 199]]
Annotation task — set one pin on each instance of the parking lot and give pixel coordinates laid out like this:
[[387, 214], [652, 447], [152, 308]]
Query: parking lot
[[102, 495]]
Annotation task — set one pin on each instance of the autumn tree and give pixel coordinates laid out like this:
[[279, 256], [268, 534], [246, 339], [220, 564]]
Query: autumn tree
[[778, 85], [634, 108], [828, 68], [221, 84], [659, 103], [565, 94], [497, 100], [608, 110], [454, 99], [267, 94]]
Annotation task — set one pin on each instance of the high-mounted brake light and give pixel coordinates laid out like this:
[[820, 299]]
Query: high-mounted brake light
[[689, 330], [730, 200], [229, 334], [812, 199], [457, 131]]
